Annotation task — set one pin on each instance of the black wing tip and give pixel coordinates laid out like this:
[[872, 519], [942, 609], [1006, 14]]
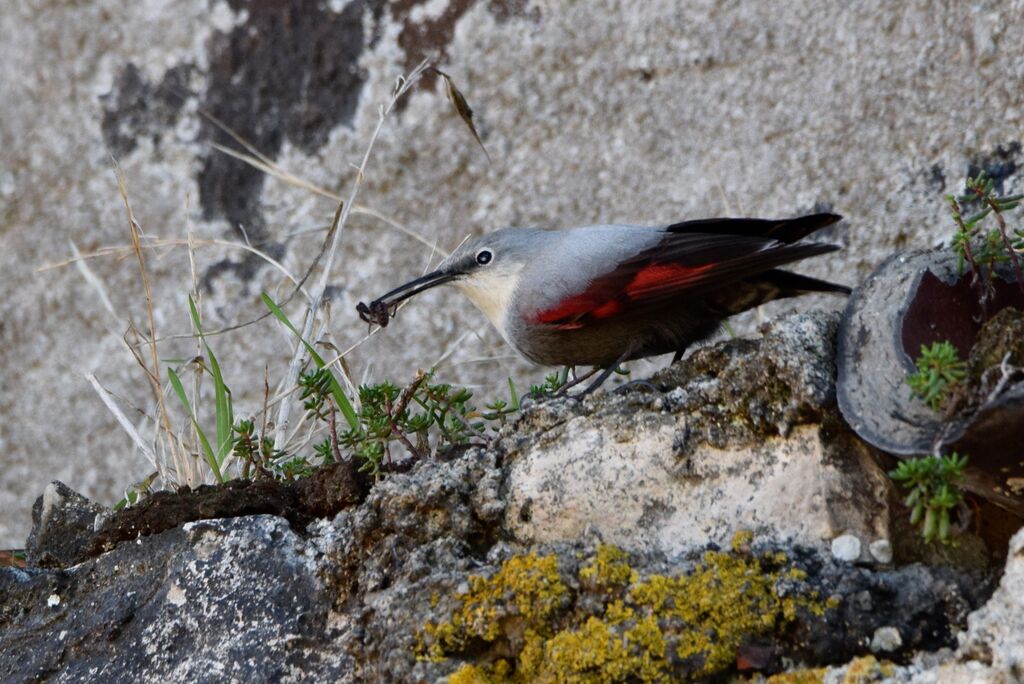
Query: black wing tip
[[785, 230], [794, 284], [791, 230], [826, 218]]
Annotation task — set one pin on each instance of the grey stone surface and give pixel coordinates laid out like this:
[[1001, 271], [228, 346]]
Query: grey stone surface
[[846, 548], [598, 111], [62, 523], [251, 599], [881, 550], [886, 640], [991, 648]]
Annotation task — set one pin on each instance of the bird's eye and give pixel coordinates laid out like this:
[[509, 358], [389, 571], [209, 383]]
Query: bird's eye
[[484, 257]]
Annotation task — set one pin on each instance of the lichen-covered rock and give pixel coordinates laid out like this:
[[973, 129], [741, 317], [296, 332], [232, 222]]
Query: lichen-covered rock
[[404, 591], [224, 600], [183, 604], [744, 435], [990, 651]]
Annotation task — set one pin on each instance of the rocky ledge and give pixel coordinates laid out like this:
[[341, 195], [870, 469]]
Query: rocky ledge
[[718, 518]]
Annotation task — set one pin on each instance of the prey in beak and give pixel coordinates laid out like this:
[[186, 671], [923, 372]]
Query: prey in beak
[[381, 310]]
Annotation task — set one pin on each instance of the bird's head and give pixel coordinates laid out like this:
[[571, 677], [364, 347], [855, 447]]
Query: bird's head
[[486, 269]]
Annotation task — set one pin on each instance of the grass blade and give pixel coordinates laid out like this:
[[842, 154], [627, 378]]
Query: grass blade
[[211, 457], [223, 412], [344, 405]]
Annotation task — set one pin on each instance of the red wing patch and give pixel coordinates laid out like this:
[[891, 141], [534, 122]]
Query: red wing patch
[[655, 278], [603, 300], [567, 314]]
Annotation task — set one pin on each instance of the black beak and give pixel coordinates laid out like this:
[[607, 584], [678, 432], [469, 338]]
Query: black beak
[[381, 310]]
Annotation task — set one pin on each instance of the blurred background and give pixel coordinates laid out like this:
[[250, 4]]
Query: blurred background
[[591, 112]]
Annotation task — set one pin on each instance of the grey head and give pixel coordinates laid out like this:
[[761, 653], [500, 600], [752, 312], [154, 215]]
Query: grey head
[[485, 269]]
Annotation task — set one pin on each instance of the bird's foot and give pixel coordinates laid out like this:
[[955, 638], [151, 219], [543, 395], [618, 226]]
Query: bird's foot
[[632, 384]]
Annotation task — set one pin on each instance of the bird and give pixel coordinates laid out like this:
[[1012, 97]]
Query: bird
[[602, 295]]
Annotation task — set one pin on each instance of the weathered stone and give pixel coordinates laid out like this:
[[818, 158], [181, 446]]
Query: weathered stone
[[352, 598], [637, 469], [846, 547], [991, 648], [63, 522], [232, 599], [886, 640], [995, 633], [181, 605], [881, 550]]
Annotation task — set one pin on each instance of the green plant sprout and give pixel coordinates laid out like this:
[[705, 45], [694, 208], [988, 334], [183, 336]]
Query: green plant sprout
[[136, 491], [939, 370], [552, 384], [996, 245], [932, 481], [223, 414], [341, 401], [256, 452], [424, 418]]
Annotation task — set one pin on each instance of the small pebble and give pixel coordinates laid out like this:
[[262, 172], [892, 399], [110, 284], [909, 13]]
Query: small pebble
[[881, 550], [53, 601], [846, 547], [886, 640]]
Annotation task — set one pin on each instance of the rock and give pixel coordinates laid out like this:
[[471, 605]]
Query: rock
[[188, 604], [745, 438], [995, 633], [367, 595], [185, 603], [990, 649], [846, 547], [881, 551], [62, 524], [449, 568], [886, 640]]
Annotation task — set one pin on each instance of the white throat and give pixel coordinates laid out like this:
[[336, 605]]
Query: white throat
[[491, 291]]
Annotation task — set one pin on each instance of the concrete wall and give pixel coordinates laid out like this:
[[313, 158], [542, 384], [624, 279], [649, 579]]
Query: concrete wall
[[595, 111]]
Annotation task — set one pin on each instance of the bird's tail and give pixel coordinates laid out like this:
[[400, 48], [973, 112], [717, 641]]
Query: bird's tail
[[766, 287], [792, 284]]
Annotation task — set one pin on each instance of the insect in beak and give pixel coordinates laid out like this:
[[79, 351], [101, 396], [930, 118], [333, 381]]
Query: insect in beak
[[381, 310]]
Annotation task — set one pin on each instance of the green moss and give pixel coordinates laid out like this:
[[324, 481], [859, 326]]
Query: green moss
[[621, 629]]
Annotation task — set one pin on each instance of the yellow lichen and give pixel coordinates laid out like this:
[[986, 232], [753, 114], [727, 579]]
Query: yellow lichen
[[641, 630], [469, 674], [809, 676], [526, 587], [725, 600], [741, 541], [609, 568], [866, 670]]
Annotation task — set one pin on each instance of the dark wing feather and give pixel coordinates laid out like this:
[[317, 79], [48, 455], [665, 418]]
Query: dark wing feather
[[783, 230], [684, 263]]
